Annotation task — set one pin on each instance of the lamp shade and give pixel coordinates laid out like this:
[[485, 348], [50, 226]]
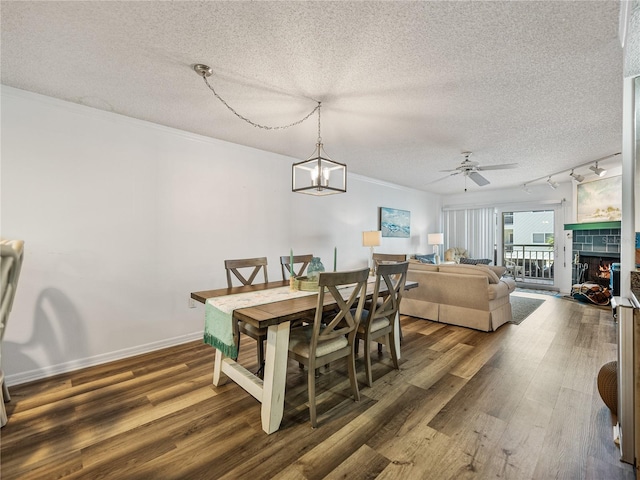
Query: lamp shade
[[435, 238], [372, 238]]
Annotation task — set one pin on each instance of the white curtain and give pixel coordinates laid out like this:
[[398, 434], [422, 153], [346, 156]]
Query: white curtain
[[473, 229]]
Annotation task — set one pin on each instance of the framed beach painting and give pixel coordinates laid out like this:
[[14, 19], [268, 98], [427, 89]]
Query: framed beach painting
[[395, 223], [600, 200]]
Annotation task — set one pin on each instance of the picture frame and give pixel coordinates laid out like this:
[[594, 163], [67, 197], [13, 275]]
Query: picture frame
[[395, 223], [600, 200]]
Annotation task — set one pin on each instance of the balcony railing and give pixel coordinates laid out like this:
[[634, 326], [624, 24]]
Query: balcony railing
[[529, 261]]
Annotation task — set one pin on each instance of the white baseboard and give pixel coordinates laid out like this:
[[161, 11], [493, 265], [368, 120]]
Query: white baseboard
[[51, 370]]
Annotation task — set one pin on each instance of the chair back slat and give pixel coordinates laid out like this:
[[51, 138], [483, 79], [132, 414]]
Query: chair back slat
[[394, 276], [342, 321], [256, 264], [389, 257], [379, 258], [302, 260]]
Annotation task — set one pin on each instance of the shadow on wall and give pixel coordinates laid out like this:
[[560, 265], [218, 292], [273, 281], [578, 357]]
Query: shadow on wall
[[57, 335]]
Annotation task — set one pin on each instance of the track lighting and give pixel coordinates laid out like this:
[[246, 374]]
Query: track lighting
[[601, 172], [593, 166], [577, 177]]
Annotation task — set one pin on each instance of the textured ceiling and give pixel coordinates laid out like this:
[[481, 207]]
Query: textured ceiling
[[405, 86]]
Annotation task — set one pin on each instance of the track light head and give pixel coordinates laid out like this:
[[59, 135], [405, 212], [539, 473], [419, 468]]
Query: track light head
[[526, 189], [552, 184], [577, 177], [601, 172]]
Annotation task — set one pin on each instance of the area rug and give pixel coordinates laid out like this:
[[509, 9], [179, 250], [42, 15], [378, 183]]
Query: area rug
[[522, 307]]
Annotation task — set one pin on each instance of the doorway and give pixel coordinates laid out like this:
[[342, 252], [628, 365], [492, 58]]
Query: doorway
[[528, 246]]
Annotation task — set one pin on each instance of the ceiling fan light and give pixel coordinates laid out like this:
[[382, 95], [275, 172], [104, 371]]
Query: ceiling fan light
[[601, 172]]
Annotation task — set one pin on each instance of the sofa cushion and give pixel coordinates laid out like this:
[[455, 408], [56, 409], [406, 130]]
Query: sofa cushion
[[481, 270], [426, 258], [455, 253], [427, 267], [475, 261], [499, 270]]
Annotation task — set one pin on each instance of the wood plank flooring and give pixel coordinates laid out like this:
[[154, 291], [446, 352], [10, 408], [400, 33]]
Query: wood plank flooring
[[519, 403]]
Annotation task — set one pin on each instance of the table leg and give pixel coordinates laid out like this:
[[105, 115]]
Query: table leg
[[219, 378], [275, 376]]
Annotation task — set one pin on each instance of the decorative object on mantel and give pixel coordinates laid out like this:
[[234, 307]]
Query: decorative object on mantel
[[318, 175]]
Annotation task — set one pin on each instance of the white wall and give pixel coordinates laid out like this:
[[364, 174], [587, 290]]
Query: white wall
[[122, 219]]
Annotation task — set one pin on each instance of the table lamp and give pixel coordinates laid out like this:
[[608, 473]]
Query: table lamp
[[435, 239], [371, 239]]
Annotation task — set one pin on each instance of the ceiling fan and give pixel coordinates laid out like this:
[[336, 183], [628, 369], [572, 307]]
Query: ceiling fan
[[470, 169]]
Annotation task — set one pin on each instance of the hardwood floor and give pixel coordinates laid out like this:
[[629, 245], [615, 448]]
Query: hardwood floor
[[519, 403]]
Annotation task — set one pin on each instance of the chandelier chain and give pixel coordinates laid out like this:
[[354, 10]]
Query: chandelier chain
[[265, 127], [319, 137]]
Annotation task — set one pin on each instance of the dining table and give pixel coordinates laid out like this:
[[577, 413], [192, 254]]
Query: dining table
[[277, 318]]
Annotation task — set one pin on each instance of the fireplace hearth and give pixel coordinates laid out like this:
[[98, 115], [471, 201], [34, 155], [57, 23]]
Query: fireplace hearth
[[593, 267]]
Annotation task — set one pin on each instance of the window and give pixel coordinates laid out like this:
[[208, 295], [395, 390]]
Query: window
[[542, 238]]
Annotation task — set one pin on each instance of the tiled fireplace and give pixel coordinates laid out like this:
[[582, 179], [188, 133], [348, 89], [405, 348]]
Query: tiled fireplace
[[594, 250]]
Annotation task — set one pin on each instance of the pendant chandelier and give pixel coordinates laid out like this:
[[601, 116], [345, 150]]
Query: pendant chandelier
[[318, 175]]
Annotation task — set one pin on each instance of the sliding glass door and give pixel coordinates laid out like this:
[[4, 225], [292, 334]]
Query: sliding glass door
[[528, 245]]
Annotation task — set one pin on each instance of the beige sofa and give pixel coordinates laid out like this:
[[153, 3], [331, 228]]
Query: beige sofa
[[474, 296]]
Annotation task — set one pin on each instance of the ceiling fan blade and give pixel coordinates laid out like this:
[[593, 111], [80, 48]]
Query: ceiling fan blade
[[442, 178], [479, 179], [499, 167]]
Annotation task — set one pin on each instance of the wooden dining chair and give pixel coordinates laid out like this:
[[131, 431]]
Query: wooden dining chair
[[302, 260], [331, 337], [388, 257], [11, 257], [246, 270], [379, 258], [378, 323]]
